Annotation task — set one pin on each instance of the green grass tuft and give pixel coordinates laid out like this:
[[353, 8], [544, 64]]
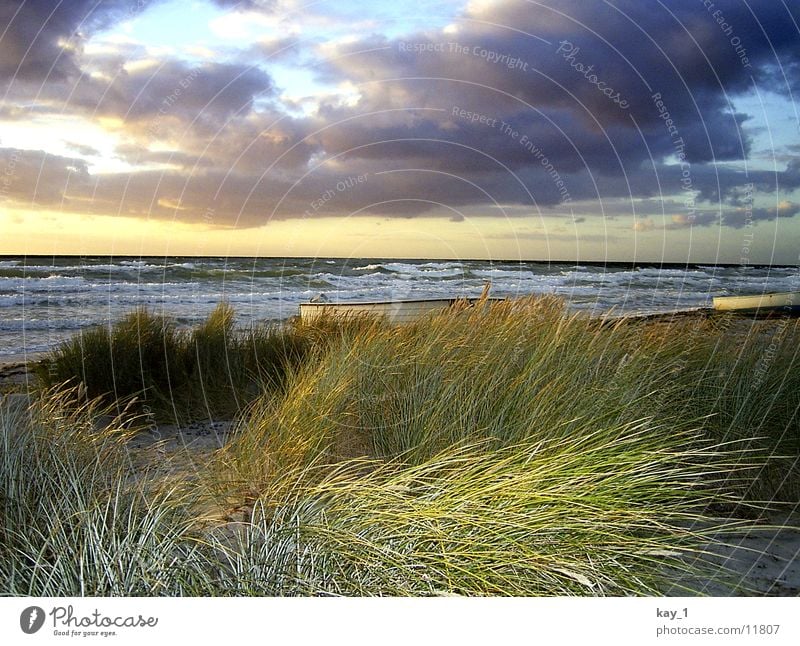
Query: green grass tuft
[[210, 371]]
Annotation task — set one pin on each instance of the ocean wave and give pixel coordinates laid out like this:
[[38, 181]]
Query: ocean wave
[[19, 325], [504, 273], [46, 283], [421, 269], [64, 296]]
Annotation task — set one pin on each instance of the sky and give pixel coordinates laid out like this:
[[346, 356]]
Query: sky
[[587, 130]]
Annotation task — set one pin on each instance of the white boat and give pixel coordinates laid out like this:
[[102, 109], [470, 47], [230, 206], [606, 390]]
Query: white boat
[[779, 303], [397, 312]]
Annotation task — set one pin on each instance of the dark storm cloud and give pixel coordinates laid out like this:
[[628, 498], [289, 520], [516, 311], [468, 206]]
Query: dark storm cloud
[[250, 144], [599, 97], [557, 57], [530, 105], [33, 34], [738, 218], [40, 40], [33, 178], [208, 92], [745, 216]]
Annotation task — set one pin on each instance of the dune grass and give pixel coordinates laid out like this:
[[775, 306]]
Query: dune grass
[[748, 383], [178, 375], [526, 372], [505, 450], [598, 515], [74, 519], [601, 514]]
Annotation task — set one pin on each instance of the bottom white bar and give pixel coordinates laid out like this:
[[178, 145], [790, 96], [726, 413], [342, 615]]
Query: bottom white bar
[[419, 621]]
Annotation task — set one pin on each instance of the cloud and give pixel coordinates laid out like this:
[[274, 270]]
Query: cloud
[[276, 47], [32, 177], [562, 64], [82, 149], [534, 106], [676, 69], [747, 215], [208, 93], [694, 219], [41, 39], [740, 217]]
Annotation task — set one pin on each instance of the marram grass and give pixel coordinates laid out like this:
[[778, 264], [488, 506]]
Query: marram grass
[[176, 374], [507, 450], [525, 372], [593, 516], [75, 517]]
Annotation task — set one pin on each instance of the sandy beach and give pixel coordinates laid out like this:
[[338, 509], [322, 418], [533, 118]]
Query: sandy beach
[[765, 558], [15, 376]]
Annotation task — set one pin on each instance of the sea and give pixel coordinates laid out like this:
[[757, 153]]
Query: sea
[[45, 300]]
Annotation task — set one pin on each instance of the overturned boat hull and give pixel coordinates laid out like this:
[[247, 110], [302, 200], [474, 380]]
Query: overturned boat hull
[[397, 312], [785, 303]]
